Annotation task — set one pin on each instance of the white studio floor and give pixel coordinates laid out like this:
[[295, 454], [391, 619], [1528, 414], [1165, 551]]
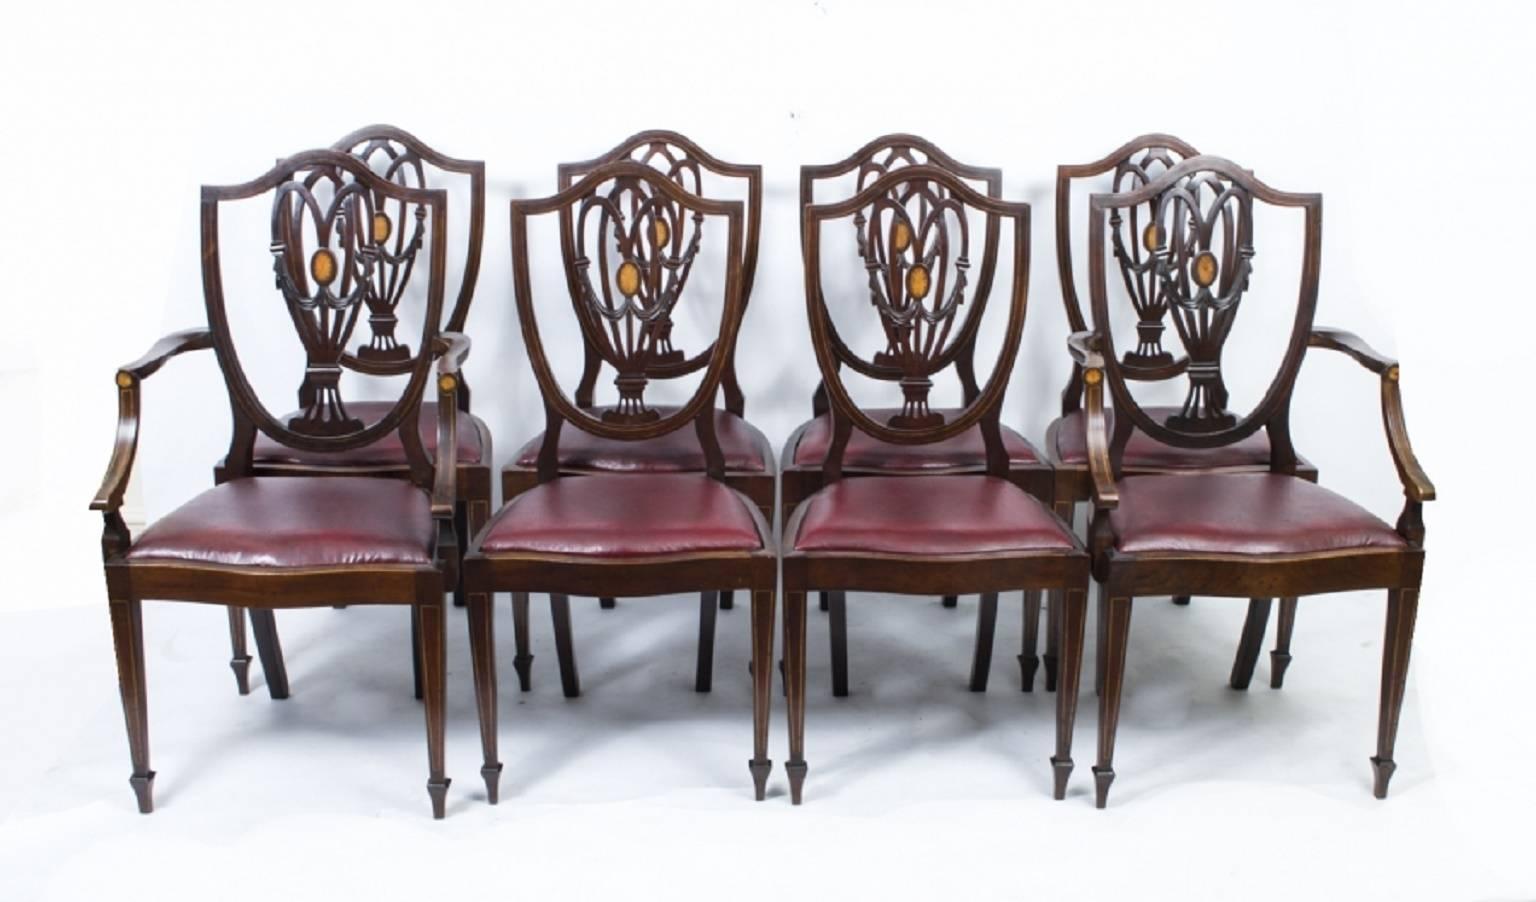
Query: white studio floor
[[917, 788]]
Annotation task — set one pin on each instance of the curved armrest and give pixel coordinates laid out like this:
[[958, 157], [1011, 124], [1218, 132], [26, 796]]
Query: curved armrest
[[1084, 348], [109, 497], [166, 348], [1416, 484]]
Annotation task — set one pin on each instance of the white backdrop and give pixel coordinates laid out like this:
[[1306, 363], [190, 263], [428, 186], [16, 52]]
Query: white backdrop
[[1413, 120]]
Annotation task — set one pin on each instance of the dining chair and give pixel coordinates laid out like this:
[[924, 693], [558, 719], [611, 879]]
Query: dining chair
[[749, 465], [1247, 534], [806, 449], [1128, 167], [403, 159], [914, 531], [265, 542], [635, 238]]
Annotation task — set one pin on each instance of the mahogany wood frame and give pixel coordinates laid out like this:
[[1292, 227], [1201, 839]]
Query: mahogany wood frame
[[473, 480], [130, 582], [561, 575], [686, 157], [889, 153], [984, 573], [1123, 576], [1074, 484]]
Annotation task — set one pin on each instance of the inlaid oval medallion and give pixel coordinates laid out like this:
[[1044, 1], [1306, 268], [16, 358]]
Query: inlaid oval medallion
[[629, 278], [660, 232], [1205, 269], [323, 266], [1152, 236], [917, 281], [382, 227], [901, 237]]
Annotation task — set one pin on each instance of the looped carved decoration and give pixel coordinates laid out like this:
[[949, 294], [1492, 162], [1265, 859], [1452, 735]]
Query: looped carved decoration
[[397, 229], [645, 244], [324, 288], [1202, 251], [915, 243], [1135, 233]]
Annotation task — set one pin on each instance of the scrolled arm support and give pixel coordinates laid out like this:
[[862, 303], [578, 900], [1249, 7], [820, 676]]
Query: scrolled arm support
[[1084, 348], [1416, 484], [109, 497], [451, 348]]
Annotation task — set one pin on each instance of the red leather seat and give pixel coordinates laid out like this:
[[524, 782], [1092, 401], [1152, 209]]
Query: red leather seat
[[608, 515], [928, 515], [1241, 513], [864, 452], [1142, 452], [296, 521], [387, 451], [745, 449]]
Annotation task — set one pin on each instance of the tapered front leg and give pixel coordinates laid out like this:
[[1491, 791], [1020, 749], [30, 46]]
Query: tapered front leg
[[522, 661], [703, 676], [1280, 658], [1402, 611], [1074, 615], [482, 651], [838, 632], [239, 657], [1029, 662], [986, 628], [270, 650], [1116, 630], [1252, 640], [762, 690], [560, 612], [794, 679], [434, 679], [128, 642]]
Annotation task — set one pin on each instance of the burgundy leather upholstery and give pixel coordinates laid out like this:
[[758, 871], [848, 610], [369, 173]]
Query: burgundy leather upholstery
[[1144, 453], [1241, 513], [928, 515], [387, 451], [865, 452], [611, 515], [296, 521], [743, 446]]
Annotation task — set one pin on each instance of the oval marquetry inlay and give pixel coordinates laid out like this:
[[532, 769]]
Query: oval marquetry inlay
[[124, 380], [917, 281], [1152, 236], [323, 266], [901, 237], [1205, 269], [660, 232], [1092, 377], [381, 228], [629, 278]]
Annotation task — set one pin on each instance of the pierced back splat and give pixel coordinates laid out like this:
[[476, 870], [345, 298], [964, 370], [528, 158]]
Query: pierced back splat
[[626, 272], [642, 263], [914, 240], [687, 165], [1132, 165], [1202, 256], [325, 259], [870, 163], [401, 158]]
